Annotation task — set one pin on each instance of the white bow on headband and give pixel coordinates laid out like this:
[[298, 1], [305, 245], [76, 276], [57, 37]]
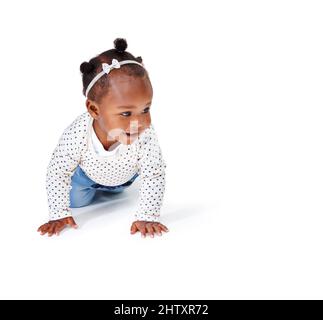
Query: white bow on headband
[[106, 68]]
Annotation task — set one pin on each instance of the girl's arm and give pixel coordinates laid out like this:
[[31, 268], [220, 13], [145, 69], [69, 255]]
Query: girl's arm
[[152, 177], [64, 160]]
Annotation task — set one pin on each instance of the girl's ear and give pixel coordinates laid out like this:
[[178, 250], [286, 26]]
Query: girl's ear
[[92, 108]]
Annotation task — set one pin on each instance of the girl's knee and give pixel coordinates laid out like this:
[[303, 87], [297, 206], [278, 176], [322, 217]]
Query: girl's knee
[[81, 198]]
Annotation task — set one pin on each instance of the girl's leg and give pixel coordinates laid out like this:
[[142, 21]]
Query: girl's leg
[[81, 193]]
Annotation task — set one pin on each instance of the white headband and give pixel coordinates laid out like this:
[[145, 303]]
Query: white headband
[[106, 68]]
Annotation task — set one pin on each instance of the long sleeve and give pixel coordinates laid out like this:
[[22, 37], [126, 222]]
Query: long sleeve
[[63, 163], [152, 177]]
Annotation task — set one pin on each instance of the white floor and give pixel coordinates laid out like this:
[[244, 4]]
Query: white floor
[[238, 110], [241, 242]]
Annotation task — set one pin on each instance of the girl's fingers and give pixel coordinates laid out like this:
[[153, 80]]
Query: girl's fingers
[[55, 228], [41, 228], [44, 228], [51, 229], [71, 222], [150, 229], [164, 228], [59, 228], [142, 229], [133, 228], [157, 229]]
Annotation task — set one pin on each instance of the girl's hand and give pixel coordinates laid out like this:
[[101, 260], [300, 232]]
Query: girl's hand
[[147, 227], [56, 226]]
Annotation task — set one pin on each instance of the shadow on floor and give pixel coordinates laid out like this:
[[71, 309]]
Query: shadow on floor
[[105, 203]]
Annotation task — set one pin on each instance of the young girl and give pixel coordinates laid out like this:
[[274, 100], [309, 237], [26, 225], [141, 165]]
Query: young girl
[[109, 146]]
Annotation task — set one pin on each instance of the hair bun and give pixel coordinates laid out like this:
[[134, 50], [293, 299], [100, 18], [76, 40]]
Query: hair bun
[[120, 44], [86, 67]]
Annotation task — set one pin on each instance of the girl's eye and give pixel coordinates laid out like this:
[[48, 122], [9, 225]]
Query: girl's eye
[[126, 114]]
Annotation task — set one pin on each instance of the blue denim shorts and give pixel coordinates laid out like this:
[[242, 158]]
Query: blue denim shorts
[[84, 189]]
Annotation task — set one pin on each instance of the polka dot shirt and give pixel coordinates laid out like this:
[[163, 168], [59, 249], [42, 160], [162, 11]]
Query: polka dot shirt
[[75, 147]]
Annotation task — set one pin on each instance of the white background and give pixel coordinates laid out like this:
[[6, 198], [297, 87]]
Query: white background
[[238, 111]]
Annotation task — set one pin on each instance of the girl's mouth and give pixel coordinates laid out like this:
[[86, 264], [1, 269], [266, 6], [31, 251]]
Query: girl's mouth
[[132, 134]]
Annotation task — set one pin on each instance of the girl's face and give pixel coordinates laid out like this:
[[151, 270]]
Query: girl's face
[[124, 112]]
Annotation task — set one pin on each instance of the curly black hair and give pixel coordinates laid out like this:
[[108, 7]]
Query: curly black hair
[[90, 69]]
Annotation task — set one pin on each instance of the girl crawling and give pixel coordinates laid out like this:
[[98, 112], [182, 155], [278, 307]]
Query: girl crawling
[[109, 146]]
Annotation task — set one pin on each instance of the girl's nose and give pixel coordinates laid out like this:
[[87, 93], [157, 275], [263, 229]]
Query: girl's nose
[[135, 125]]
